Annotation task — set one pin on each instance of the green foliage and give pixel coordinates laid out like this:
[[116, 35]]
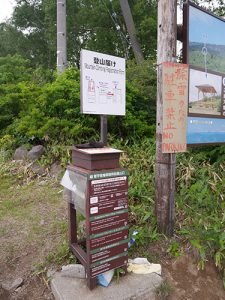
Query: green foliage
[[200, 201], [174, 249], [201, 204], [49, 112]]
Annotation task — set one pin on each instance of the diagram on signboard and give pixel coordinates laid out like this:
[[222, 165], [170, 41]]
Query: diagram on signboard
[[103, 92], [91, 96], [117, 94]]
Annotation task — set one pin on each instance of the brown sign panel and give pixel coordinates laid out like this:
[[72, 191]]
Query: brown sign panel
[[109, 252], [116, 221], [109, 238], [175, 104], [109, 265]]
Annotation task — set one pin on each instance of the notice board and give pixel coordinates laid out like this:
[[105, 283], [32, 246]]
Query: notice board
[[102, 83], [107, 217], [175, 104], [204, 52]]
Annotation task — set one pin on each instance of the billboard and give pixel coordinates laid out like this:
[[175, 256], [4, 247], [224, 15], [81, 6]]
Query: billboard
[[102, 83], [204, 51]]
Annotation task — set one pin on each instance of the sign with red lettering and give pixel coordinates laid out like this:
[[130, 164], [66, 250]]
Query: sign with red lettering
[[175, 101]]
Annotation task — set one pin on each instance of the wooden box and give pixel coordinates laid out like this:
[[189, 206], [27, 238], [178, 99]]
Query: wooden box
[[96, 158]]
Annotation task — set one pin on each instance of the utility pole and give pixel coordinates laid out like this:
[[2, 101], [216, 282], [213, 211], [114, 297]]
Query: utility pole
[[61, 36], [125, 7], [165, 163]]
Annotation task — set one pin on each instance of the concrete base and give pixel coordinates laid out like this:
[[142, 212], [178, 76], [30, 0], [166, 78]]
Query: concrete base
[[129, 287]]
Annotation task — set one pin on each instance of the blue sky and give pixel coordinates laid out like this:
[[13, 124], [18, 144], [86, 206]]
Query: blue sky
[[202, 23]]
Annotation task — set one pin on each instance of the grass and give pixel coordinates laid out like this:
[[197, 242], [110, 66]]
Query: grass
[[163, 291], [32, 216]]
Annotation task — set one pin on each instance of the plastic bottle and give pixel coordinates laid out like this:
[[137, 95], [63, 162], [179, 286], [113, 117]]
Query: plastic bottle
[[132, 240]]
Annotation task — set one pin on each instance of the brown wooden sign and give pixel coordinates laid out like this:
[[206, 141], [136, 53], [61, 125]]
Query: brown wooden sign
[[107, 221], [105, 195], [112, 222], [109, 265]]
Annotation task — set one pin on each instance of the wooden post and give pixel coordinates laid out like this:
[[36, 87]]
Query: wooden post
[[165, 163], [104, 129]]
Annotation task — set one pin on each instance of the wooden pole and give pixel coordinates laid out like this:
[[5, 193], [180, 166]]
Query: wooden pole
[[104, 129], [61, 36], [165, 163]]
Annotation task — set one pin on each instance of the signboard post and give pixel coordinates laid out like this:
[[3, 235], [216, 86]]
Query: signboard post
[[102, 86], [165, 163], [101, 196]]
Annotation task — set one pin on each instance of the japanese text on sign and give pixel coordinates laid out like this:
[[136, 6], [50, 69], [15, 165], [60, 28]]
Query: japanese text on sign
[[175, 99]]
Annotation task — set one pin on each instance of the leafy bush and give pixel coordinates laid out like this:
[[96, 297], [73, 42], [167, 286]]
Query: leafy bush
[[50, 112]]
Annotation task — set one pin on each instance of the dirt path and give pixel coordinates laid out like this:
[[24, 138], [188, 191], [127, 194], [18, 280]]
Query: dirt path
[[188, 282], [33, 226]]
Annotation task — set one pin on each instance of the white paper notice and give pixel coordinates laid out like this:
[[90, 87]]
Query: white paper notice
[[102, 83]]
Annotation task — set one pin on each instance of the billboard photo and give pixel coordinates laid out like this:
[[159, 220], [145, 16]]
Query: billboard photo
[[205, 93], [206, 40], [204, 51]]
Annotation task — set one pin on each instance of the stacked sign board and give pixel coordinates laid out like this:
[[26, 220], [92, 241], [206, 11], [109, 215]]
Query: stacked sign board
[[204, 51], [106, 212], [108, 220]]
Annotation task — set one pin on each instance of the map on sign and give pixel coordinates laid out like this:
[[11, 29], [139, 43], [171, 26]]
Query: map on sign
[[102, 84]]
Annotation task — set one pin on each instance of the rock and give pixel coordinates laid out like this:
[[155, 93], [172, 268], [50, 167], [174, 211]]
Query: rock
[[55, 170], [20, 153], [18, 290], [36, 152], [37, 169], [12, 286], [73, 271], [42, 183], [3, 293], [132, 286], [51, 272]]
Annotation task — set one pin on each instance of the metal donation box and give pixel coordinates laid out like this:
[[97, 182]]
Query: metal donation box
[[98, 191]]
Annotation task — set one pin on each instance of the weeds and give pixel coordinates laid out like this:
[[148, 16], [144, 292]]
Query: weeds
[[163, 291]]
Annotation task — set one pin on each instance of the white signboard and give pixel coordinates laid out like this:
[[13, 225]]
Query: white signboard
[[102, 84]]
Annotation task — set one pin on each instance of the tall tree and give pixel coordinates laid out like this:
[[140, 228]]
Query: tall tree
[[96, 25]]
